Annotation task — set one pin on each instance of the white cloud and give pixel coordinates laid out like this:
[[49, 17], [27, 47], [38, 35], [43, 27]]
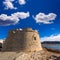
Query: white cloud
[[22, 2], [8, 4], [13, 19], [9, 0], [51, 38], [45, 19], [1, 40]]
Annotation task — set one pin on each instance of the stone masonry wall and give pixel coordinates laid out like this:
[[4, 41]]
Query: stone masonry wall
[[22, 40]]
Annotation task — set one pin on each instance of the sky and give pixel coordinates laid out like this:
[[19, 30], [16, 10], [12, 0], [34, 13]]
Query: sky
[[44, 16]]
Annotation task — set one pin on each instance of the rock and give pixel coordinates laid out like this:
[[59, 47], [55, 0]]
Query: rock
[[22, 56], [37, 55], [53, 57], [31, 56]]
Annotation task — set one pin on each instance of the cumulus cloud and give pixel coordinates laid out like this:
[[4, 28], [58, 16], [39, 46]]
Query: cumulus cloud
[[22, 2], [13, 18], [45, 19], [51, 38], [8, 4]]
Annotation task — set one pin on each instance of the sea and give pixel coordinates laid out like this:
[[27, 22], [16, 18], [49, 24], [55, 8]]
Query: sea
[[52, 46]]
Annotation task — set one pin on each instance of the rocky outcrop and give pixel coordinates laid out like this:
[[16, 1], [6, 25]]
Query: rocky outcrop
[[38, 55], [22, 56], [53, 57]]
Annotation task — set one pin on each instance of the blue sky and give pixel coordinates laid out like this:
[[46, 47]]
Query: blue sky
[[37, 14]]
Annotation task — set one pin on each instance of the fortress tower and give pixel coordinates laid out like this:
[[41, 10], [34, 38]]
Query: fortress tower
[[22, 40]]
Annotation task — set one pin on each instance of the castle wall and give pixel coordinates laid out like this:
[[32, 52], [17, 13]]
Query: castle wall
[[24, 40]]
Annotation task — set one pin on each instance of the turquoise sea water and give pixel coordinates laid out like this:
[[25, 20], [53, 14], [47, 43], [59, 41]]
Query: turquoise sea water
[[55, 46]]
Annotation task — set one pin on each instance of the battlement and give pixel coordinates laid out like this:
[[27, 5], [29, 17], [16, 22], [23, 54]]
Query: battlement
[[27, 29], [22, 30]]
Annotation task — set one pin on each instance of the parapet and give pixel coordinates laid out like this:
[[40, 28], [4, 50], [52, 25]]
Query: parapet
[[27, 29], [22, 30]]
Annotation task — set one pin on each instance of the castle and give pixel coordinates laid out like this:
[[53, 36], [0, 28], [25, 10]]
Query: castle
[[22, 40]]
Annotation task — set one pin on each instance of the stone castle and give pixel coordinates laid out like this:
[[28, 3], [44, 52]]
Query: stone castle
[[22, 40]]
